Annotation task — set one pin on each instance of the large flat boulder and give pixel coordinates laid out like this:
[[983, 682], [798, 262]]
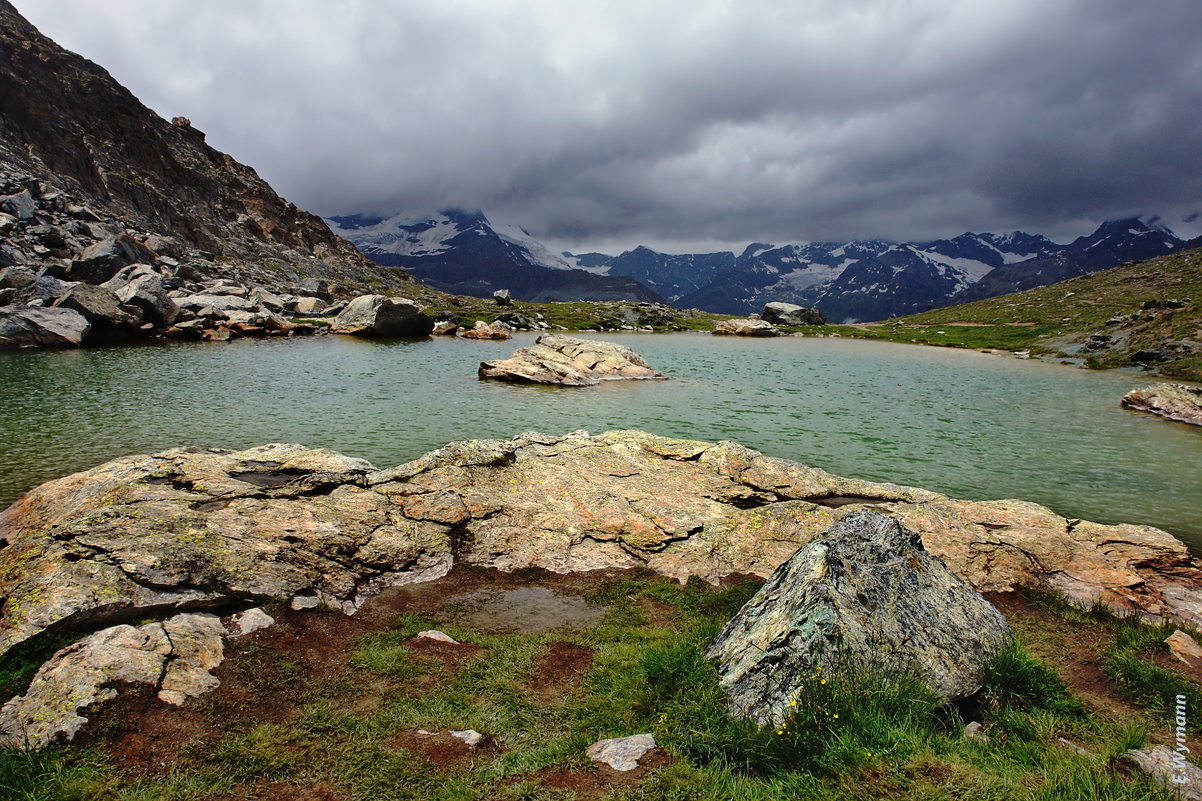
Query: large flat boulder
[[1175, 401], [36, 327], [152, 535], [382, 316], [569, 362], [102, 308], [864, 594]]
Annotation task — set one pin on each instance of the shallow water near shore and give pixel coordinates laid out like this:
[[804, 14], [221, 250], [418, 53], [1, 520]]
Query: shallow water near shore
[[968, 424]]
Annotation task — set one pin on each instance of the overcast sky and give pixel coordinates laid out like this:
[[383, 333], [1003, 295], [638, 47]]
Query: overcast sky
[[684, 125]]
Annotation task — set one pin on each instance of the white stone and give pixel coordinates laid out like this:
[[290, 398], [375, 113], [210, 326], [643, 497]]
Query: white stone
[[469, 736], [251, 620], [621, 753], [435, 634]]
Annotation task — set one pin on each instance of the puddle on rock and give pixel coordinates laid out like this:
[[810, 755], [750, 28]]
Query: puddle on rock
[[527, 609]]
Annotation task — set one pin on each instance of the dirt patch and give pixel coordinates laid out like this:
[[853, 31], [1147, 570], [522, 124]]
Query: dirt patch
[[599, 780], [446, 752], [279, 791], [563, 666]]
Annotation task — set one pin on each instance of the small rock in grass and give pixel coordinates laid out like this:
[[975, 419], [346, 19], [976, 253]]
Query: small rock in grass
[[621, 753], [1185, 648], [250, 620], [435, 634], [469, 736]]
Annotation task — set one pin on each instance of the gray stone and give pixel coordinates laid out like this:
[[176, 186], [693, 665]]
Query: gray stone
[[250, 621], [20, 205], [306, 305], [621, 753], [571, 362], [378, 315], [435, 634], [746, 328], [791, 314], [7, 223], [1184, 777], [470, 736], [864, 594], [33, 327], [100, 262], [17, 277], [502, 297], [102, 308], [174, 656], [140, 286]]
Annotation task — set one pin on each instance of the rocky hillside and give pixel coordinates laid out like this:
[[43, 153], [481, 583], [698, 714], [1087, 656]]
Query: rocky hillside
[[71, 136], [1145, 313]]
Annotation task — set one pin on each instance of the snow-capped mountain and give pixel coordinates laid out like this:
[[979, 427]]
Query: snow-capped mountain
[[463, 252], [873, 279]]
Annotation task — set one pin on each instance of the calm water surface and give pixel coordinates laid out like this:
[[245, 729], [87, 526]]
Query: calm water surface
[[964, 423]]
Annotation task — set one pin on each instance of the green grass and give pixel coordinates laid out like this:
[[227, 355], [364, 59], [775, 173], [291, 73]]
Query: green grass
[[856, 733], [1049, 319]]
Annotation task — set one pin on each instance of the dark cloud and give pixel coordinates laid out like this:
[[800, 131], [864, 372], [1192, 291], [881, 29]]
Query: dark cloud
[[684, 123]]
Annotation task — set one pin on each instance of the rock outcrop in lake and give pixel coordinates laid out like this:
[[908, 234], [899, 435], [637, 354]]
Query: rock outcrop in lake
[[864, 594], [746, 328], [569, 362], [1175, 401]]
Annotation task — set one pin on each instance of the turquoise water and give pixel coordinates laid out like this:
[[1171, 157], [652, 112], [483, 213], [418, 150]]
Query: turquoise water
[[965, 423]]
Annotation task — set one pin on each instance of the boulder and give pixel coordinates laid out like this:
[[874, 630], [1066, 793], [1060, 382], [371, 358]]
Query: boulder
[[502, 297], [378, 315], [141, 287], [866, 594], [164, 246], [217, 306], [101, 261], [17, 278], [21, 205], [1169, 768], [35, 327], [484, 330], [571, 362], [746, 328], [314, 287], [174, 657], [306, 305], [1175, 401], [791, 314], [517, 321], [102, 308], [445, 328]]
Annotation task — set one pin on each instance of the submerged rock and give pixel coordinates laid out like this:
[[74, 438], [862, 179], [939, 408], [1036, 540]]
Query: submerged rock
[[866, 593], [746, 328], [1174, 401], [381, 316], [570, 362]]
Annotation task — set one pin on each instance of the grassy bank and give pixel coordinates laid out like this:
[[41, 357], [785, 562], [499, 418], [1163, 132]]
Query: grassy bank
[[1055, 320], [325, 707]]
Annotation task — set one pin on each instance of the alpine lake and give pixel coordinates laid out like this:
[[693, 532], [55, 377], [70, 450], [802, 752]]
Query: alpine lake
[[964, 423]]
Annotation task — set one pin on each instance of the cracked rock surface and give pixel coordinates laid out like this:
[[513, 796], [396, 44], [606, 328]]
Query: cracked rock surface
[[190, 529], [569, 362], [174, 656], [865, 591], [1175, 401]]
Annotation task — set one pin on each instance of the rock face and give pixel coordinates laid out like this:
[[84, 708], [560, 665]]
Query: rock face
[[865, 593], [569, 362], [746, 328], [174, 656], [1183, 777], [791, 314], [35, 327], [1174, 401], [381, 316]]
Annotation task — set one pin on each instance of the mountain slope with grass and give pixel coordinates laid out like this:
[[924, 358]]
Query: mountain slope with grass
[[1144, 313]]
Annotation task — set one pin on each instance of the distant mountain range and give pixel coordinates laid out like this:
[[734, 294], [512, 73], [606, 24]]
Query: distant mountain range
[[462, 252], [861, 280]]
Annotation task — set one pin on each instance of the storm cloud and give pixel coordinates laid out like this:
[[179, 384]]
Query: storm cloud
[[684, 124]]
